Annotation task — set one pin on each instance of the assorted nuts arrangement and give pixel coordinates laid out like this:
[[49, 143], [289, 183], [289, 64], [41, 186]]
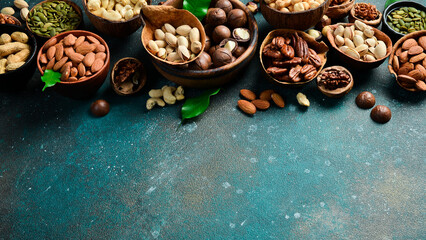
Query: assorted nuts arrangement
[[293, 5], [366, 11], [358, 41], [14, 51], [178, 44], [251, 103], [76, 58], [407, 20], [409, 62], [167, 94], [116, 10], [51, 18]]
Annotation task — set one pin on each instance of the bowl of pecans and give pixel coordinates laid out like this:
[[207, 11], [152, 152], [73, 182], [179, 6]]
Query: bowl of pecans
[[291, 57], [339, 8], [366, 13], [9, 19]]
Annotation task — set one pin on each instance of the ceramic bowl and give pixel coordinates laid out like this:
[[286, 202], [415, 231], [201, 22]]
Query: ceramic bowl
[[130, 86], [114, 28], [41, 39], [356, 63], [86, 87], [18, 79], [340, 11], [17, 22], [217, 76], [414, 35], [319, 47], [374, 23], [385, 26], [293, 20]]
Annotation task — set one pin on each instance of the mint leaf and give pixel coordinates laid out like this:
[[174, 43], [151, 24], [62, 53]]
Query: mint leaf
[[197, 7], [194, 107], [50, 78]]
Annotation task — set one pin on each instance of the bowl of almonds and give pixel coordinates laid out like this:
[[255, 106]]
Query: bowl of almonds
[[408, 61], [82, 58]]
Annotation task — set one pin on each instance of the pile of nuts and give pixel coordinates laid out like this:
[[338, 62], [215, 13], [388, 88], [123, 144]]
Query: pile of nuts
[[76, 58], [178, 44], [289, 59], [14, 51], [358, 41], [5, 19], [20, 4], [407, 19], [366, 11], [380, 113], [409, 63], [116, 10], [293, 5], [166, 94], [334, 78], [252, 103]]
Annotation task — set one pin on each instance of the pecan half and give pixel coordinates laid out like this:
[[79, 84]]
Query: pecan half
[[287, 51], [278, 42], [314, 59], [293, 62], [276, 70]]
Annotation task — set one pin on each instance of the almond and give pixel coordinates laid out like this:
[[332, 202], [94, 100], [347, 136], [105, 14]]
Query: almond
[[76, 57], [100, 48], [403, 58], [85, 48], [398, 52], [266, 95], [81, 70], [97, 65], [248, 94], [421, 69], [261, 104], [247, 107], [405, 68], [422, 42], [278, 100], [418, 58], [409, 43], [93, 40], [51, 63], [395, 63], [406, 79], [69, 40], [79, 41], [416, 74], [65, 66], [60, 63], [415, 50], [88, 73], [59, 51], [421, 85], [100, 55], [89, 59], [43, 58], [72, 79], [66, 73], [73, 72], [51, 52], [50, 43]]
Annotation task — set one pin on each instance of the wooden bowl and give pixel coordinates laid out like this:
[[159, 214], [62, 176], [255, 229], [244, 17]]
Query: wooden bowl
[[355, 63], [217, 76], [340, 11], [414, 35], [339, 92], [156, 16], [17, 22], [128, 87], [320, 47], [293, 20], [15, 80], [114, 28], [88, 86], [77, 9], [374, 23]]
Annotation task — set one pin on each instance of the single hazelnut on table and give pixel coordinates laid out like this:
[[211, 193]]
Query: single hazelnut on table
[[216, 16], [230, 44], [221, 57], [237, 18], [241, 34], [221, 32], [225, 5], [99, 108], [381, 114], [239, 51], [203, 62], [365, 100]]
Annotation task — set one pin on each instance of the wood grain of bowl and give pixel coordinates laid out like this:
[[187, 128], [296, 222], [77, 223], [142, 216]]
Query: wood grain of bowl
[[217, 76], [293, 20], [374, 23], [340, 11]]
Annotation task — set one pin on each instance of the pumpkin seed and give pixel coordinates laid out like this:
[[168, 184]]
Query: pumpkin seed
[[407, 19]]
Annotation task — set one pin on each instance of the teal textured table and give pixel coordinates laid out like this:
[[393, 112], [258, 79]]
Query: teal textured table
[[323, 172]]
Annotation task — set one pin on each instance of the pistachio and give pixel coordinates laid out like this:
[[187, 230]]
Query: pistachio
[[161, 43], [153, 46], [360, 25], [348, 33], [172, 57], [20, 4], [162, 53], [182, 41], [352, 53], [368, 32], [380, 50], [183, 30], [171, 39], [368, 57], [339, 40], [371, 42], [339, 31], [196, 47], [183, 52], [349, 43], [358, 40], [8, 11], [194, 35], [169, 29], [24, 13], [362, 49]]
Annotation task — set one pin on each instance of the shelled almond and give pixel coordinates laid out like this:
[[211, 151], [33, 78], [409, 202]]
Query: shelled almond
[[250, 104]]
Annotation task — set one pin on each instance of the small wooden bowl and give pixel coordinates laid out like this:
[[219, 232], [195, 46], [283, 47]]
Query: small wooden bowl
[[340, 11], [355, 63], [339, 92], [156, 16], [215, 77], [17, 22], [128, 87], [374, 23], [77, 9], [113, 28], [319, 47], [414, 35], [293, 20], [88, 86]]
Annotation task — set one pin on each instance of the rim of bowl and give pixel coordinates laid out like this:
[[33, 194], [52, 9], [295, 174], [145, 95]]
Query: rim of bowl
[[329, 33], [32, 55], [294, 13], [86, 33], [394, 5], [104, 19], [71, 3], [341, 5], [228, 67], [368, 22]]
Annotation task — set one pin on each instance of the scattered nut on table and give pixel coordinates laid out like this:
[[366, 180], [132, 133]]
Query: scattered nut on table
[[167, 94]]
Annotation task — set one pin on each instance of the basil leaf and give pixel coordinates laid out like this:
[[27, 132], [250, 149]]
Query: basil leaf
[[197, 7], [50, 78], [194, 107]]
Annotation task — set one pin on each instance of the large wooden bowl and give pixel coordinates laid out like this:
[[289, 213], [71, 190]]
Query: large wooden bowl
[[88, 86], [340, 11], [355, 63], [374, 23], [293, 20], [114, 28], [319, 47], [414, 35], [212, 77]]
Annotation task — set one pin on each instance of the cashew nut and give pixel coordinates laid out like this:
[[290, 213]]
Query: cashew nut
[[155, 93], [179, 93], [111, 15], [168, 94], [150, 103]]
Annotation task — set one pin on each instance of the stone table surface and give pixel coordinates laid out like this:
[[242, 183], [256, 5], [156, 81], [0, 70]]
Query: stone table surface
[[323, 172]]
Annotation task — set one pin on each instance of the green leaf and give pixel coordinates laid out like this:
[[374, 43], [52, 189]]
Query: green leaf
[[194, 107], [389, 2], [197, 7], [50, 78]]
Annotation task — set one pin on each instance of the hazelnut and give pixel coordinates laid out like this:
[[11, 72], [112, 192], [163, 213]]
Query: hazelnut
[[203, 62], [225, 5], [241, 34], [365, 100], [208, 44], [208, 29], [229, 43], [220, 32], [252, 7], [99, 108], [221, 57], [381, 114], [215, 16], [237, 18], [239, 51]]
